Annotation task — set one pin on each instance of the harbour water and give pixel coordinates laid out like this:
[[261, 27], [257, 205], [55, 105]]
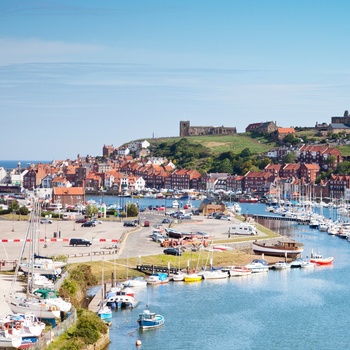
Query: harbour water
[[288, 309]]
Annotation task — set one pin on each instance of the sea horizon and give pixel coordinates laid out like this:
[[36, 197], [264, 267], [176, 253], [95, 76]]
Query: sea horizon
[[11, 164]]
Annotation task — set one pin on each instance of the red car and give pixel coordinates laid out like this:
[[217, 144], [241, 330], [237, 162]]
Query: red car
[[160, 208]]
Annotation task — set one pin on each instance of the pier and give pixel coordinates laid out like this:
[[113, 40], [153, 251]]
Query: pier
[[280, 218]]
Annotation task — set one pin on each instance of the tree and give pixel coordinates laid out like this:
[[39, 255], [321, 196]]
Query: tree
[[23, 210], [131, 210], [14, 206], [245, 153], [289, 158], [291, 139], [331, 161], [91, 210]]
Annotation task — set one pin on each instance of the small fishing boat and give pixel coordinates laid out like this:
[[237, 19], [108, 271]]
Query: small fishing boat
[[320, 260], [148, 319], [104, 312]]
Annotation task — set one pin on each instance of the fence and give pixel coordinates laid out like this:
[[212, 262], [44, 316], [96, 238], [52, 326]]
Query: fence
[[44, 341]]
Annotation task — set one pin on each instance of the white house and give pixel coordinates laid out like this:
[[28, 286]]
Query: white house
[[138, 145], [3, 175], [123, 151], [17, 178]]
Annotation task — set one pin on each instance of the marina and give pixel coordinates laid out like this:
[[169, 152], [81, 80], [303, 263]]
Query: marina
[[254, 303]]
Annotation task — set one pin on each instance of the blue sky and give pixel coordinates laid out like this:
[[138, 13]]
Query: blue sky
[[75, 75]]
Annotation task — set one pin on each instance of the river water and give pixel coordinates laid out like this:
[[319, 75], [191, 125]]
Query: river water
[[289, 309]]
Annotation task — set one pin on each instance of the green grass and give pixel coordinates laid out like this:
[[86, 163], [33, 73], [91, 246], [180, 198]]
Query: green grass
[[345, 150], [224, 143]]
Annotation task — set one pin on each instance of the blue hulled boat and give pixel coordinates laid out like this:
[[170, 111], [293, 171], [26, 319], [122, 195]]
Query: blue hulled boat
[[148, 319]]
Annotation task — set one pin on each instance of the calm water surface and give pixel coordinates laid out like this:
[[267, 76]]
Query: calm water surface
[[293, 309]]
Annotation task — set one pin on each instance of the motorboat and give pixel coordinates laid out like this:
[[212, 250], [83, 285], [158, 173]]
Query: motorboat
[[281, 265], [258, 265], [320, 260], [158, 278], [281, 248], [148, 319], [121, 301], [27, 326], [135, 282], [301, 263], [10, 334], [237, 271]]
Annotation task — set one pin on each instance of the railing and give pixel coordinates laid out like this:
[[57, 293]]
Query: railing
[[44, 341], [154, 268]]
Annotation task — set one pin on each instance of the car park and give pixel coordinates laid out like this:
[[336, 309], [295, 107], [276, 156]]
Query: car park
[[45, 221], [88, 224], [79, 241], [130, 223], [172, 251]]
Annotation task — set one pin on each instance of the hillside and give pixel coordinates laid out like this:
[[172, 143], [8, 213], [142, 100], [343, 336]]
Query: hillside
[[218, 144]]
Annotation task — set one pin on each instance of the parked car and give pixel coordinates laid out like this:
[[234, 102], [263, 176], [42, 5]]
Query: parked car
[[187, 216], [166, 221], [195, 212], [160, 208], [147, 223], [97, 221], [88, 224], [225, 217], [172, 251], [79, 241], [45, 221], [130, 223], [80, 221]]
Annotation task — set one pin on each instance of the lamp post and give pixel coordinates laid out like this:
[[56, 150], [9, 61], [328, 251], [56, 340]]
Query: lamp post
[[92, 240], [13, 221]]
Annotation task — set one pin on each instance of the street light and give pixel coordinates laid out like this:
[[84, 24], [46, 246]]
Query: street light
[[92, 240]]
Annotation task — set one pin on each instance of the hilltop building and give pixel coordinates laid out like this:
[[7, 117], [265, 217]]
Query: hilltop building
[[187, 130]]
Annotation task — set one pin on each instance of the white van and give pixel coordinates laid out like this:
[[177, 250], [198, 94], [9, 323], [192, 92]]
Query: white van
[[242, 228]]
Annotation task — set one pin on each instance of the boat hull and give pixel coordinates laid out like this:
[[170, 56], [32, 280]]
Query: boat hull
[[323, 261], [275, 251], [148, 324]]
